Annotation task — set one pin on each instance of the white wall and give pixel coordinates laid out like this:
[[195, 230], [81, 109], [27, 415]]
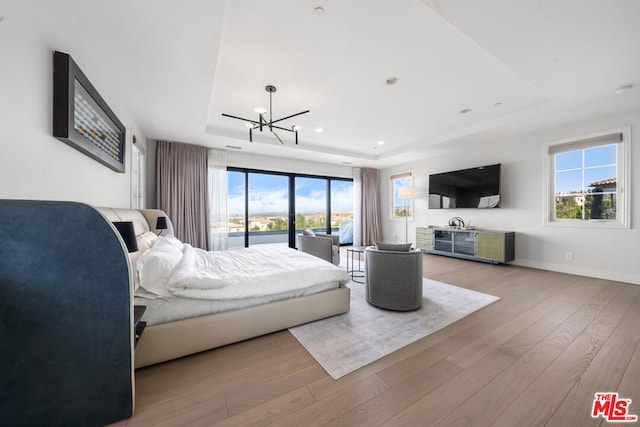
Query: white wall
[[252, 161], [33, 164], [604, 253]]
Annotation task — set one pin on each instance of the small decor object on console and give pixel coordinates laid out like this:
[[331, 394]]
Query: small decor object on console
[[456, 222], [261, 123], [82, 119]]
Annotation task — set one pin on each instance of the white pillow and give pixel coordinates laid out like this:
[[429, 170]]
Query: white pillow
[[156, 265], [145, 241]]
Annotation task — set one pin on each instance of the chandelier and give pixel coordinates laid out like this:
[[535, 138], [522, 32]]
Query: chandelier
[[262, 122]]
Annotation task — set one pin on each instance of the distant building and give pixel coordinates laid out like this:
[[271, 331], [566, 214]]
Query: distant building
[[604, 186]]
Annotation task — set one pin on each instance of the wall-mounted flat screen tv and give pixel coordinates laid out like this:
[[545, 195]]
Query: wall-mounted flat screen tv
[[467, 188]]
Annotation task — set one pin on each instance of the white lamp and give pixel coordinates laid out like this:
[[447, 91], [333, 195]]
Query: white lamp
[[406, 193]]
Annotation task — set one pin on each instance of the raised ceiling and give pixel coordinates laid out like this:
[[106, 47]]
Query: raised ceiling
[[180, 65], [501, 59]]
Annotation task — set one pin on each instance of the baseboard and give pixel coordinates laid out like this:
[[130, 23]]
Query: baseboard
[[580, 271]]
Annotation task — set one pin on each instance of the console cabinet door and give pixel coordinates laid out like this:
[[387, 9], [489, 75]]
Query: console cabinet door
[[495, 246], [424, 238]]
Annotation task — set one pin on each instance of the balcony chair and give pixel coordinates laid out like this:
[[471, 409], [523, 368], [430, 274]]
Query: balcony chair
[[325, 246]]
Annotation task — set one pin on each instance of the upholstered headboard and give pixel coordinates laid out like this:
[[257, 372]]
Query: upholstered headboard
[[144, 224], [144, 220]]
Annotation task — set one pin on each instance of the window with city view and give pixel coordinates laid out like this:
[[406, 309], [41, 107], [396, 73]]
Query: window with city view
[[587, 178], [269, 202], [401, 207], [586, 183]]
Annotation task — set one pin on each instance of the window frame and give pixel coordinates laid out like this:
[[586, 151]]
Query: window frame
[[291, 177], [623, 179], [138, 173], [392, 196]]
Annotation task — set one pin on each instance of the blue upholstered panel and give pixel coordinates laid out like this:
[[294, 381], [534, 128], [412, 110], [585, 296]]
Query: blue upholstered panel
[[65, 334]]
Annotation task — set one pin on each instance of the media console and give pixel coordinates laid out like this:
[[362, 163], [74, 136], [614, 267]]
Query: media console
[[479, 245]]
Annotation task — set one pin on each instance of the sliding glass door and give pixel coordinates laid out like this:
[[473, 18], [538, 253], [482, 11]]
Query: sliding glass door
[[342, 209], [311, 204], [236, 206], [271, 207], [268, 208]]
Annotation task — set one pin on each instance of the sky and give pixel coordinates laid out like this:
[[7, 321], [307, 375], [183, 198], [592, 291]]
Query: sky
[[598, 162], [268, 194]]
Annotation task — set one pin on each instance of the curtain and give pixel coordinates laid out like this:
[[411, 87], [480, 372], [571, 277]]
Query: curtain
[[182, 190], [218, 217], [370, 222]]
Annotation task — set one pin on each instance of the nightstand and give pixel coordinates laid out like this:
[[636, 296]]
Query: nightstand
[[138, 311]]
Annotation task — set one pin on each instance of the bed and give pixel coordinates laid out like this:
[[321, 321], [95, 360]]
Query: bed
[[189, 313]]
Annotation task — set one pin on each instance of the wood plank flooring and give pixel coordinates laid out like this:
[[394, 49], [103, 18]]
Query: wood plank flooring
[[536, 357]]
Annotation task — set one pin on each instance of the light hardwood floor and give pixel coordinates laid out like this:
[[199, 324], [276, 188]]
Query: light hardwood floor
[[536, 357]]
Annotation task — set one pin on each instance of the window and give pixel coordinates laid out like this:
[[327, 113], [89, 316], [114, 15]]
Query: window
[[587, 181], [401, 196], [342, 209], [311, 203], [278, 205]]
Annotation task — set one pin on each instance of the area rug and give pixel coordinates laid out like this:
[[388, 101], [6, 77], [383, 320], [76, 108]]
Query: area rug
[[341, 344]]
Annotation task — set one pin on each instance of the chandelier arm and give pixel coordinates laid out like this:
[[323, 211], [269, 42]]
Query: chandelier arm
[[281, 128], [240, 118], [288, 117], [277, 137]]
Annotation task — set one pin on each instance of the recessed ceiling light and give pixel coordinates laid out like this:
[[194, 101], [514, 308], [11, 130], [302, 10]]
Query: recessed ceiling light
[[465, 111], [380, 142], [623, 89], [497, 104], [392, 80], [347, 163], [260, 110], [234, 147], [319, 10], [319, 130]]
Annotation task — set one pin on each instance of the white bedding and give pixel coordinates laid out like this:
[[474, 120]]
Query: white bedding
[[172, 269], [160, 310]]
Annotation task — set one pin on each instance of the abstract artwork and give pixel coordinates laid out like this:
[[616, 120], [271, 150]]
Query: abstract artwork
[[82, 119]]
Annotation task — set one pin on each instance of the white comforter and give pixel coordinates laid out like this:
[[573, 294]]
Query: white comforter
[[172, 269]]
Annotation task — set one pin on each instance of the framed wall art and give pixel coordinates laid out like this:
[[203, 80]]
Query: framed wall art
[[82, 119]]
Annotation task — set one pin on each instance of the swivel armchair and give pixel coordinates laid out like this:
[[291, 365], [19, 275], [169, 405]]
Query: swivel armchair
[[393, 279]]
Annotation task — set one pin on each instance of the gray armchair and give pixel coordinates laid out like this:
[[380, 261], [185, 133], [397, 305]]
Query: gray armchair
[[393, 279], [325, 246]]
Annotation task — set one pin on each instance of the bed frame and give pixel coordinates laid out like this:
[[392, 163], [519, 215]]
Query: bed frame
[[171, 340]]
